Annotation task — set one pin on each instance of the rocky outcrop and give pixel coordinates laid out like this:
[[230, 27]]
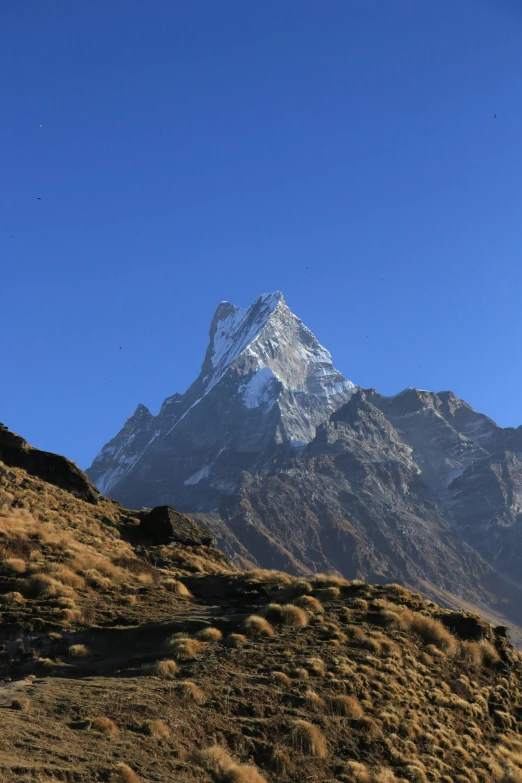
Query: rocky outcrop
[[164, 525], [16, 453]]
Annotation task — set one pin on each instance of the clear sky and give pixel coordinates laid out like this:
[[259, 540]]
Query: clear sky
[[204, 150]]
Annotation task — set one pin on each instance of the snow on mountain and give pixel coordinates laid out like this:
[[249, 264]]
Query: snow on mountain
[[265, 378]]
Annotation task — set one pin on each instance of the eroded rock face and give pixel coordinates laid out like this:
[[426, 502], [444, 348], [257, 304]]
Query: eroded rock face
[[16, 452]]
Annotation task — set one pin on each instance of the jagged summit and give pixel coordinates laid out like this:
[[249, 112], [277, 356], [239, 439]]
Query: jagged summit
[[265, 380]]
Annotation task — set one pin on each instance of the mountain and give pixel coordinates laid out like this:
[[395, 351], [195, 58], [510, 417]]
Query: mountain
[[293, 467], [127, 659], [265, 381]]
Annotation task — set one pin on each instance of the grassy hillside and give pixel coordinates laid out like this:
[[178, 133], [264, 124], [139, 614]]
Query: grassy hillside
[[127, 662]]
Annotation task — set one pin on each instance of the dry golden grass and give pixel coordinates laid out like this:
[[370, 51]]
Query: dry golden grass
[[21, 704], [223, 769], [166, 669], [157, 729], [237, 640], [177, 587], [281, 678], [286, 614], [209, 635], [309, 603], [190, 692], [105, 726], [185, 648], [78, 650], [258, 626], [125, 774], [307, 738], [345, 706]]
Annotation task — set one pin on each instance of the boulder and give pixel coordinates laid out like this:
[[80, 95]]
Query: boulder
[[165, 525]]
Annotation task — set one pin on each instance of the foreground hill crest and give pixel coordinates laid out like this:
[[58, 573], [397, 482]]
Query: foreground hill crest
[[126, 659]]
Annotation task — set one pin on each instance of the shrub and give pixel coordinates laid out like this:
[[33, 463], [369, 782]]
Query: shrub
[[258, 626], [188, 691], [165, 669], [177, 587], [308, 739], [184, 648], [345, 706], [209, 635], [286, 614], [105, 726], [157, 729]]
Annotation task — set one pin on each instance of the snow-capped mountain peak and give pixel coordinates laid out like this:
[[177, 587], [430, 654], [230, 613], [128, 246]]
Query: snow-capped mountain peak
[[265, 379]]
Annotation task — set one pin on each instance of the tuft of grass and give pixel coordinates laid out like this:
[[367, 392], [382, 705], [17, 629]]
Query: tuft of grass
[[184, 648], [157, 729], [255, 625], [281, 678], [165, 669], [104, 726], [13, 598], [78, 650], [286, 614], [237, 640], [21, 704], [329, 580], [190, 692], [14, 565], [222, 767], [177, 587], [209, 635], [307, 738], [345, 706], [125, 774], [310, 603], [432, 631]]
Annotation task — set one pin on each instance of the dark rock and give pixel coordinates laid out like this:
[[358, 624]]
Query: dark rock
[[164, 525], [466, 627], [15, 452]]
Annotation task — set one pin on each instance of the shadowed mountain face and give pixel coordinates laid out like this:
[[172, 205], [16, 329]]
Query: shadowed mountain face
[[265, 381], [294, 467]]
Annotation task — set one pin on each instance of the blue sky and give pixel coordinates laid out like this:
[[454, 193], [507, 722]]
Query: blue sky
[[198, 151]]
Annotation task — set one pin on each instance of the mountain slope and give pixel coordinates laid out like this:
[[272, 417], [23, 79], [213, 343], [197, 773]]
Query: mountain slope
[[293, 467], [130, 662]]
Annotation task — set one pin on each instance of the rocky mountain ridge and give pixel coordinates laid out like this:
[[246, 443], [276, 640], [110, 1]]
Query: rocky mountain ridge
[[292, 466]]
